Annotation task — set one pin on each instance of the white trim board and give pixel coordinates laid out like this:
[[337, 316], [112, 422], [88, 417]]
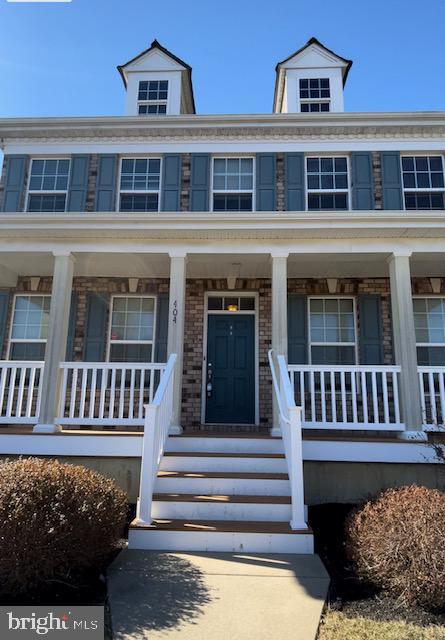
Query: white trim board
[[112, 446]]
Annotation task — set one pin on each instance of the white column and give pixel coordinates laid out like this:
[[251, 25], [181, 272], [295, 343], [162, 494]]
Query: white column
[[279, 318], [175, 344], [56, 342], [405, 343]]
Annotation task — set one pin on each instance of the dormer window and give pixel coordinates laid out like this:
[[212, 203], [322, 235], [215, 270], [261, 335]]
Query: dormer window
[[315, 95], [152, 97]]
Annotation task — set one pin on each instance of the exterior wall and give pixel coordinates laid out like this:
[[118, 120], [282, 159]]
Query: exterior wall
[[324, 482], [92, 179]]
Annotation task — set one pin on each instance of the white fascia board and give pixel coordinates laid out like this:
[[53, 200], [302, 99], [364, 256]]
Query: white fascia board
[[122, 446]]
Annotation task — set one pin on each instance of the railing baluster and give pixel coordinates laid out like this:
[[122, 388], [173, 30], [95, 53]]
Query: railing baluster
[[364, 397], [30, 396], [344, 408], [312, 383], [131, 401], [122, 393], [112, 394], [386, 416], [422, 397], [333, 399], [93, 393], [432, 392], [103, 390], [11, 392], [3, 387], [323, 398], [375, 400], [18, 408], [395, 390], [442, 397], [83, 392], [302, 396]]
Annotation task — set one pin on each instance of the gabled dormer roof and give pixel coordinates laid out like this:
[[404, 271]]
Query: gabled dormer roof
[[313, 55], [137, 63]]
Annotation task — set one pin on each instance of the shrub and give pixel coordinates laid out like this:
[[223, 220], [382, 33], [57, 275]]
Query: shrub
[[397, 542], [56, 522]]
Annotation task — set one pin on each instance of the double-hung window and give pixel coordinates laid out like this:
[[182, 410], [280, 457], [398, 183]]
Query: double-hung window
[[327, 183], [48, 185], [332, 333], [315, 95], [152, 97], [29, 328], [232, 184], [140, 184], [132, 329], [423, 182], [429, 322]]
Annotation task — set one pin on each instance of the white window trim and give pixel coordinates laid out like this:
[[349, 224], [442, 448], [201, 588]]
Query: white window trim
[[424, 154], [33, 192], [348, 191], [11, 340], [251, 191], [332, 344], [153, 102], [110, 322], [139, 191], [314, 100], [428, 297]]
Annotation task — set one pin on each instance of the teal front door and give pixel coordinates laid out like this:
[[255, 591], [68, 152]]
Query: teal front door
[[230, 369]]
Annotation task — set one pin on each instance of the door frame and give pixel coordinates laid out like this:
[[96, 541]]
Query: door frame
[[234, 294]]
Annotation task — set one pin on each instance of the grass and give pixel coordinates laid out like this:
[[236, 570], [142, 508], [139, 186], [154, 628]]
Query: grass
[[337, 626]]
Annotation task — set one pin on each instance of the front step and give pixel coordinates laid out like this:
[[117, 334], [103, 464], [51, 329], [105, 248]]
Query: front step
[[232, 462], [227, 445], [221, 507], [210, 535], [223, 483]]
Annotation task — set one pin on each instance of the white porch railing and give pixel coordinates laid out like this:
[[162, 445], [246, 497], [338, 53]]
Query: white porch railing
[[107, 393], [290, 425], [20, 391], [158, 417], [347, 397], [432, 396]]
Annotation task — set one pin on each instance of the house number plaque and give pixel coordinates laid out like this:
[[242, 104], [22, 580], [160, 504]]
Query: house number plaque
[[175, 311]]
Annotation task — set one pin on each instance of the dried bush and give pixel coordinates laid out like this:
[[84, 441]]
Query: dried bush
[[397, 542], [56, 522]]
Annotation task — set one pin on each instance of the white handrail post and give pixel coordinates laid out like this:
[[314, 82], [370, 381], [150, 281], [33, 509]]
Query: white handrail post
[[296, 475], [147, 477]]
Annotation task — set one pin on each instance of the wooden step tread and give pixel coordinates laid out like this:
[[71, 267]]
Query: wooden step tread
[[205, 454], [220, 526], [222, 474], [220, 499], [215, 434]]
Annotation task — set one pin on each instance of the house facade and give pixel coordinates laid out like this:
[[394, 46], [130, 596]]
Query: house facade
[[251, 276]]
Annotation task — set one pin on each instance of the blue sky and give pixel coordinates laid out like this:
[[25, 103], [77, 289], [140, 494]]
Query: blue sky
[[60, 59]]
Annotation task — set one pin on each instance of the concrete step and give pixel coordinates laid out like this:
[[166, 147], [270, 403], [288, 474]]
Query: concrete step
[[221, 507], [232, 462], [225, 444], [228, 536], [223, 483]]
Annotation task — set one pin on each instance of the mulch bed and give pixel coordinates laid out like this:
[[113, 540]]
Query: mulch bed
[[347, 592]]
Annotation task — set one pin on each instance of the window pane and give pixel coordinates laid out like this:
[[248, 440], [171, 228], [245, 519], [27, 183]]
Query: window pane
[[247, 304], [134, 203], [215, 304]]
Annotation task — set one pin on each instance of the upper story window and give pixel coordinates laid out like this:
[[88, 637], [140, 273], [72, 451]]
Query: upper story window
[[315, 95], [327, 183], [332, 331], [152, 97], [423, 182], [29, 329], [140, 184], [232, 184], [48, 185], [429, 321], [132, 329]]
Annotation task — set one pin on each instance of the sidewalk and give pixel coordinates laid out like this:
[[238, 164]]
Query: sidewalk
[[216, 596]]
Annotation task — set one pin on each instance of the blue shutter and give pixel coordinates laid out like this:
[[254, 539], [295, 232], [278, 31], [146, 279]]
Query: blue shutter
[[297, 329], [391, 180], [4, 306], [266, 178], [69, 356], [96, 328], [199, 182], [106, 183], [171, 183], [161, 328], [78, 186], [362, 181], [294, 182], [14, 182], [371, 331]]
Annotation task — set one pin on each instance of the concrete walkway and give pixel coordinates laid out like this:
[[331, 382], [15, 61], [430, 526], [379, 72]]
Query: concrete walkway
[[216, 596]]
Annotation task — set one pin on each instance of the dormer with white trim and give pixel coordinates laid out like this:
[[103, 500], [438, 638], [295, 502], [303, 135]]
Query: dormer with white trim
[[311, 80], [157, 83]]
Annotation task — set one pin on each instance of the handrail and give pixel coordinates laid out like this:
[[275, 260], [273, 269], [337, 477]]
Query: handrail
[[290, 425], [158, 417]]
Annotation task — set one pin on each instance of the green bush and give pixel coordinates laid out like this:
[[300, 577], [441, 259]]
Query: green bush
[[397, 543], [56, 521]]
